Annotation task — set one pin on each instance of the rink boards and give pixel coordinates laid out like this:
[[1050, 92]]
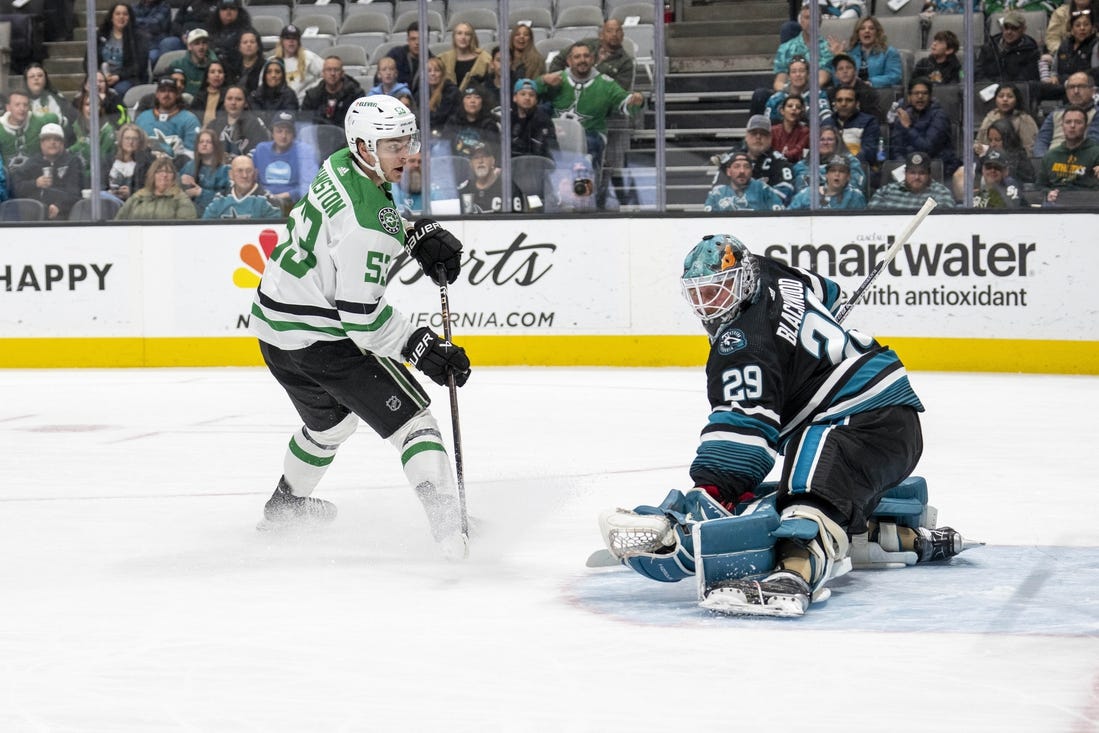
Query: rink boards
[[969, 293]]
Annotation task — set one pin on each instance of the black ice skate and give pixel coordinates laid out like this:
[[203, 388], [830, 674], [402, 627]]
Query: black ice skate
[[941, 543], [781, 593], [284, 509]]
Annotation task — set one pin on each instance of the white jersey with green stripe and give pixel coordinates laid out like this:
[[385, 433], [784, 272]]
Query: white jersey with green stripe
[[326, 281]]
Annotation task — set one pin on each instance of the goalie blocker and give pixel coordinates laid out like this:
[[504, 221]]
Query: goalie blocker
[[691, 534]]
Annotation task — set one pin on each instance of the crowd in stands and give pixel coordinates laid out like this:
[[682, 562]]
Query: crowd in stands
[[202, 115], [900, 119]]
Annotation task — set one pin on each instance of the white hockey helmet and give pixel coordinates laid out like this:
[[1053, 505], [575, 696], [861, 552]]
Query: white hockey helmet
[[379, 117], [720, 277]]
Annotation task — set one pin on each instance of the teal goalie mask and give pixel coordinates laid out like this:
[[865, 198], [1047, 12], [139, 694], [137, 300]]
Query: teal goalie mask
[[720, 276]]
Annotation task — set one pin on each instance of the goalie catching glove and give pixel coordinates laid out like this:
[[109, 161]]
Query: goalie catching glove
[[436, 357], [433, 246]]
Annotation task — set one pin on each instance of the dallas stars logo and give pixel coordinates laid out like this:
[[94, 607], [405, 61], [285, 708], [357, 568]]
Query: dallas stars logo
[[390, 220]]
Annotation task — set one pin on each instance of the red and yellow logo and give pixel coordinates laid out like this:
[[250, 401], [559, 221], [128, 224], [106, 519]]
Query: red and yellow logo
[[255, 259]]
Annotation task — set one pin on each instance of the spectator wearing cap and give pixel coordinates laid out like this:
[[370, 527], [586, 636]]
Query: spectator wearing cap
[[407, 57], [193, 14], [285, 165], [245, 199], [240, 129], [1002, 138], [19, 129], [196, 60], [483, 192], [121, 50], [471, 124], [768, 165], [915, 189], [836, 188], [52, 175], [225, 26], [273, 95], [741, 192], [860, 131], [171, 129], [941, 65], [465, 59], [303, 67], [153, 20], [1010, 55], [996, 189], [797, 85], [148, 101], [830, 145], [922, 126], [532, 130], [1074, 164], [845, 75], [330, 99]]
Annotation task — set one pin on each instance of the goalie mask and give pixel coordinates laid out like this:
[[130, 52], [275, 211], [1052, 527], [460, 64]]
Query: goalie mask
[[720, 276], [375, 118]]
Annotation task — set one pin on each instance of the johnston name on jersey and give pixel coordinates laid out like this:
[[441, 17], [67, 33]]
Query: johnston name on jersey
[[780, 365], [327, 280]]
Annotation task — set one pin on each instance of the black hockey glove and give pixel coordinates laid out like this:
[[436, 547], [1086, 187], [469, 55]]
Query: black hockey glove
[[432, 246], [437, 357]]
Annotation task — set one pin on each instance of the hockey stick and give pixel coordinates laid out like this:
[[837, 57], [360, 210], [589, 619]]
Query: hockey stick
[[890, 253], [444, 304]]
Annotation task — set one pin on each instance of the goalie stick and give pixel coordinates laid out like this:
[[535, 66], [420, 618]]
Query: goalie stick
[[444, 306], [900, 241]]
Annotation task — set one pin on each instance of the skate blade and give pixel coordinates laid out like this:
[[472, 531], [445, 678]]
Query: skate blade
[[455, 547], [602, 559], [291, 527], [732, 602]]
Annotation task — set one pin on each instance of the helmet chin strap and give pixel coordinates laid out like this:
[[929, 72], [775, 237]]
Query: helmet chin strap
[[376, 167]]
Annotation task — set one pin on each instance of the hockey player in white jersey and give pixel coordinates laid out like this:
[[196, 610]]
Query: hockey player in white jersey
[[332, 341]]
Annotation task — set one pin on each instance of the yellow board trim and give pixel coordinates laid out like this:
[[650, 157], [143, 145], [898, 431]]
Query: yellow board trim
[[928, 354]]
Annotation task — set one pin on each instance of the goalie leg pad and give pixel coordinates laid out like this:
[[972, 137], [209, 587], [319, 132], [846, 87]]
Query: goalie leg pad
[[734, 547], [311, 452], [826, 551]]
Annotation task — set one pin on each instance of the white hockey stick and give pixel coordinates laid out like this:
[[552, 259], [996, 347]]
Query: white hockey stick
[[900, 241]]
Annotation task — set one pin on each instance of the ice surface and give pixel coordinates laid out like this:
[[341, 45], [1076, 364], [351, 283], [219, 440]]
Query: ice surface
[[136, 595]]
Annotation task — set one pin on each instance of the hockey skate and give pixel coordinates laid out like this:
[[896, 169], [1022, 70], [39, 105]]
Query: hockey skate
[[782, 594], [285, 510], [443, 515], [941, 543]]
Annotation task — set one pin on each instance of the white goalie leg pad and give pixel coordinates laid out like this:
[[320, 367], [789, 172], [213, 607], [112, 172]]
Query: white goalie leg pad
[[310, 453], [827, 551], [885, 554], [628, 534]]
